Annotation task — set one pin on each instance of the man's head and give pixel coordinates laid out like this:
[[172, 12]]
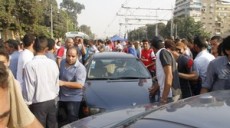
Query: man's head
[[170, 44], [78, 40], [69, 42], [157, 43], [41, 44], [145, 44], [11, 45], [214, 42], [28, 40], [51, 44], [180, 47], [226, 46], [71, 55], [4, 57], [199, 43]]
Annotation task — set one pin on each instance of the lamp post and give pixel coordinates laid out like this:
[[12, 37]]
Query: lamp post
[[51, 21]]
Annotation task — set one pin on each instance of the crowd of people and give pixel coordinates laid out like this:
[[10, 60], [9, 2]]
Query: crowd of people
[[41, 81]]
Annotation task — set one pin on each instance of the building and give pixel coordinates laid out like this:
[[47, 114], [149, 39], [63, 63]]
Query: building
[[214, 14]]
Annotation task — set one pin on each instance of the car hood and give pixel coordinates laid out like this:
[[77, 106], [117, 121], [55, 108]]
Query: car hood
[[114, 94], [109, 119], [211, 110]]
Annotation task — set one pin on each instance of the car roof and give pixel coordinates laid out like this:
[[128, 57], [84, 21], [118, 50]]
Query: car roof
[[112, 55]]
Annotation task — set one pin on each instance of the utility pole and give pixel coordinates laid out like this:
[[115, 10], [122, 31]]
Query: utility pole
[[156, 30], [51, 21]]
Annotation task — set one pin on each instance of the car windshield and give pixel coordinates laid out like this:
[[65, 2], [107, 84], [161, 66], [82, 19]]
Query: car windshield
[[125, 68]]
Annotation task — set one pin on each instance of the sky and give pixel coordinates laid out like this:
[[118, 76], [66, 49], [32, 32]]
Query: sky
[[102, 16]]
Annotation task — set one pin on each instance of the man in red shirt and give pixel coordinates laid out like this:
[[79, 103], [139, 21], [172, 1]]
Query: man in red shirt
[[148, 57]]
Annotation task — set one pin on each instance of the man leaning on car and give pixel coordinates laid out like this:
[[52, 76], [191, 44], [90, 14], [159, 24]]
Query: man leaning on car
[[72, 79], [166, 72]]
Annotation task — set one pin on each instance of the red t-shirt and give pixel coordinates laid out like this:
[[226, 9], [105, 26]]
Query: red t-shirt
[[60, 52], [147, 57]]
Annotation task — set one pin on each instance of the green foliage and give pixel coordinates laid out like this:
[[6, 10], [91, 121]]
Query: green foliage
[[23, 16], [184, 27], [86, 29]]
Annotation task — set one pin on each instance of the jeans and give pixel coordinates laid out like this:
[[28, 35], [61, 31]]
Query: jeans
[[68, 111]]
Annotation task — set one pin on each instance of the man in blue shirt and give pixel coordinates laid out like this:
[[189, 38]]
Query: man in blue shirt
[[72, 79]]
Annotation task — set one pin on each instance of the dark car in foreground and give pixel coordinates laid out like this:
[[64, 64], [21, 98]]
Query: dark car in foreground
[[210, 110], [115, 80]]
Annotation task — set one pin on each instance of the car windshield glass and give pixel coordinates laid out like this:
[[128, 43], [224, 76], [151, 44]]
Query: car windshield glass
[[124, 68]]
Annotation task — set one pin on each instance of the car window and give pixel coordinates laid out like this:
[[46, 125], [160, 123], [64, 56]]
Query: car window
[[117, 68]]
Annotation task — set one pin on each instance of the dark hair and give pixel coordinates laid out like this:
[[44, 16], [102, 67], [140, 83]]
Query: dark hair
[[218, 38], [157, 42], [220, 49], [40, 44], [226, 45], [185, 41], [51, 44], [28, 39], [3, 52], [13, 43], [170, 44], [145, 40], [3, 75], [2, 44], [74, 48], [200, 41]]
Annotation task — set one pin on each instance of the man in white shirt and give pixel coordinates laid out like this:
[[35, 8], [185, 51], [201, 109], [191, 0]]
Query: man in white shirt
[[25, 56], [41, 77]]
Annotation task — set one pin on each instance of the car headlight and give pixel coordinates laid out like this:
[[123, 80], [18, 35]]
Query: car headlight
[[94, 111]]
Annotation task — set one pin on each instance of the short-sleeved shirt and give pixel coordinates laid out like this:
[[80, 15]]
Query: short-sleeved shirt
[[185, 64], [149, 56], [132, 51], [201, 62], [51, 56], [61, 53], [41, 80], [14, 62], [218, 74], [74, 73], [24, 57], [164, 58]]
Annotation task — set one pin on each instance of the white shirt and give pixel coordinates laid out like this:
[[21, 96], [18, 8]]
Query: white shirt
[[160, 74], [201, 62], [24, 57], [41, 79]]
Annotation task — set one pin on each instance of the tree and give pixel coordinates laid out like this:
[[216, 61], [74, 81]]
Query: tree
[[151, 30], [86, 29], [186, 26], [72, 8]]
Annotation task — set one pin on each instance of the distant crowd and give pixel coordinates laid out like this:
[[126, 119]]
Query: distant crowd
[[46, 77]]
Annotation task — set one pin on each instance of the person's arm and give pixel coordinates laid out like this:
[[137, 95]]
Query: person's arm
[[203, 90], [168, 83], [210, 78], [29, 80], [155, 87], [70, 84], [191, 76], [60, 53], [83, 50], [80, 79]]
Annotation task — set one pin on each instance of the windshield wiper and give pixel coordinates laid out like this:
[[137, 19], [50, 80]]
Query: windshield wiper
[[97, 78], [124, 77]]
